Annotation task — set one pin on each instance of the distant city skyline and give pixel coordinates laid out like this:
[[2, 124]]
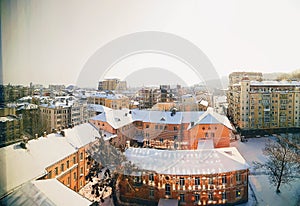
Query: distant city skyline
[[49, 42]]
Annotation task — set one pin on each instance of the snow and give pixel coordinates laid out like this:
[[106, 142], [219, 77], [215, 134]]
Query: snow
[[265, 192], [211, 117], [40, 153], [266, 195], [187, 162], [55, 190]]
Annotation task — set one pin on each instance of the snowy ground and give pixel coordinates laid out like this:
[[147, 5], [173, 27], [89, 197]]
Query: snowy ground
[[264, 192]]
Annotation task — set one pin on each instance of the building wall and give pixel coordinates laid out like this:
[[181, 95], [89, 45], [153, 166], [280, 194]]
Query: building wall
[[71, 170], [219, 133], [234, 184], [264, 106]]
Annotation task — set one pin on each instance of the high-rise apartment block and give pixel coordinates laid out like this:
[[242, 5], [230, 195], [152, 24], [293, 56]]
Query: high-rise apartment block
[[112, 84], [264, 104]]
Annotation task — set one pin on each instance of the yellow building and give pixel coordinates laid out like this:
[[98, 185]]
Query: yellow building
[[264, 104], [114, 101]]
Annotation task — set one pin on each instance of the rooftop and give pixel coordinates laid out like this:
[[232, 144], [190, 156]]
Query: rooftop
[[40, 153], [44, 192], [187, 162]]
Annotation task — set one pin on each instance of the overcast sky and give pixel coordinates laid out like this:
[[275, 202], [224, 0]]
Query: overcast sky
[[50, 41]]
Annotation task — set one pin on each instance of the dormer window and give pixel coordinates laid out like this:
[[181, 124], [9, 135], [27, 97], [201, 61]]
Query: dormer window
[[162, 119]]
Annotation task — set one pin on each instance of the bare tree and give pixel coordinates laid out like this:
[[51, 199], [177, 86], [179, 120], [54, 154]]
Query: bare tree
[[282, 163]]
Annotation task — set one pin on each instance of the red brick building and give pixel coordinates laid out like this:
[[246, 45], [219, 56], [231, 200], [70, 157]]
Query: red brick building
[[194, 177], [165, 129]]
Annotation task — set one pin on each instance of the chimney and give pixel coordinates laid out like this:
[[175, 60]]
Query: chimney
[[45, 134], [36, 136]]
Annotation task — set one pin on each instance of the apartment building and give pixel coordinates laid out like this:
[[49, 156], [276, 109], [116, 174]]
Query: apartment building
[[61, 156], [264, 104], [63, 112], [112, 84], [111, 100], [194, 177], [11, 126]]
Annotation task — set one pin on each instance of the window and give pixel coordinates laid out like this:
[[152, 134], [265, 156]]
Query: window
[[62, 167], [68, 163], [168, 189], [156, 126], [74, 175], [197, 181], [181, 198], [224, 180], [212, 134], [181, 181], [175, 128], [137, 179], [69, 180], [206, 134], [210, 196], [237, 193], [74, 160], [81, 170], [50, 174], [238, 177], [151, 192], [197, 197], [210, 180], [224, 195], [161, 140], [147, 126], [81, 156], [151, 177], [56, 170]]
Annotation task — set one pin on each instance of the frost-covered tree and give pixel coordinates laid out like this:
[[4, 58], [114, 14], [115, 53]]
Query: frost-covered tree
[[282, 163], [104, 157]]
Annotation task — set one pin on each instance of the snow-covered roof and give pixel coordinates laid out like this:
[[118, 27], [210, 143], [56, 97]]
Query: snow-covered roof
[[55, 190], [119, 118], [115, 118], [44, 192], [204, 103], [107, 95], [275, 83], [187, 162], [7, 119], [22, 165], [211, 117]]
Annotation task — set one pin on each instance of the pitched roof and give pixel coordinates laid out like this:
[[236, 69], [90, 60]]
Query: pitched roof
[[211, 117], [22, 165], [44, 192], [187, 162]]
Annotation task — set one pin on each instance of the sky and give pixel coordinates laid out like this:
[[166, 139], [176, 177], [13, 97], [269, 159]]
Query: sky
[[51, 41]]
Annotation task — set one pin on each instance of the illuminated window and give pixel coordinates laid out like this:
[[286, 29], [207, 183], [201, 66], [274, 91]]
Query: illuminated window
[[237, 193]]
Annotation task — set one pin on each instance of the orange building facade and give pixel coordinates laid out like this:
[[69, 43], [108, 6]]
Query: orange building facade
[[170, 177], [183, 131], [70, 171]]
